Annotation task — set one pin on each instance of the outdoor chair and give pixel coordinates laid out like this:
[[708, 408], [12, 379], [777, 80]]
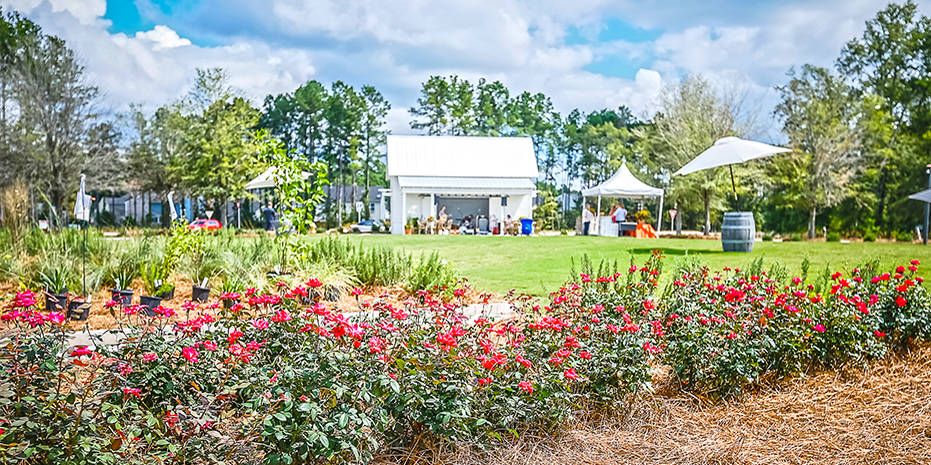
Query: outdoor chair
[[483, 226], [421, 226]]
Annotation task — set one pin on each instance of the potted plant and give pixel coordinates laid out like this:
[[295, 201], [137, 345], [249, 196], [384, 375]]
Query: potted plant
[[122, 293], [55, 281], [79, 309], [200, 293], [165, 291], [154, 287], [231, 289], [409, 227]]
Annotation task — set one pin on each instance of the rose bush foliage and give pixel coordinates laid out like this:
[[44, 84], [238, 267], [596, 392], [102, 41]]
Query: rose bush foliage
[[280, 378]]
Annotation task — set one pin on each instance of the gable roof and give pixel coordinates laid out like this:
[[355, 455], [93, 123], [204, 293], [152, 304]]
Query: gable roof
[[461, 156], [623, 184]]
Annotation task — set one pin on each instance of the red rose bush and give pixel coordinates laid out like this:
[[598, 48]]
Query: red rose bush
[[282, 378]]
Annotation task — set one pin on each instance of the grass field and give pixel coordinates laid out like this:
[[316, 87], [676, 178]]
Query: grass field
[[539, 265]]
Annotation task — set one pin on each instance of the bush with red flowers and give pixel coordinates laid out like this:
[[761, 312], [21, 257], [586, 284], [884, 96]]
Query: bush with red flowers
[[283, 379]]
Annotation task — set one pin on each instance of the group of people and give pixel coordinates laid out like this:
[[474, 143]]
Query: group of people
[[618, 215], [469, 223]]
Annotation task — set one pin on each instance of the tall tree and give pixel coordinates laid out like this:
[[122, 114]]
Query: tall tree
[[461, 107], [433, 106], [343, 114], [818, 115], [18, 36], [220, 149], [155, 143], [892, 59], [56, 105], [691, 115], [374, 137], [491, 108]]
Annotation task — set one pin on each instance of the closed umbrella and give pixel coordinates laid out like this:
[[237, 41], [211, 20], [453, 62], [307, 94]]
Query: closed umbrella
[[729, 151]]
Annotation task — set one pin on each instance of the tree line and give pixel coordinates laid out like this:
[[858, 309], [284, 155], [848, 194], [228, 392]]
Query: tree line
[[860, 135]]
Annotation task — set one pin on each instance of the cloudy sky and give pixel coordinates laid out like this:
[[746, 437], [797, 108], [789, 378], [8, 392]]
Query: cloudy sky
[[586, 54]]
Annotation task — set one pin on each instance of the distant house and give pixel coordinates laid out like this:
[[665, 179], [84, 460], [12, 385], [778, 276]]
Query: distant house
[[349, 196], [477, 176]]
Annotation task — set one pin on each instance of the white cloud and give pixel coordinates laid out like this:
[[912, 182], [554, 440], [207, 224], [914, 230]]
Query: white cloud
[[396, 45], [162, 37], [85, 11]]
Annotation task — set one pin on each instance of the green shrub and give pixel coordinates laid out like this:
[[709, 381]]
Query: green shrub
[[767, 238], [833, 237], [431, 272], [796, 237], [869, 236], [904, 237]]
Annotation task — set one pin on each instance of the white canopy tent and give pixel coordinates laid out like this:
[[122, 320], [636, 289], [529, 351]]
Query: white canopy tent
[[623, 183]]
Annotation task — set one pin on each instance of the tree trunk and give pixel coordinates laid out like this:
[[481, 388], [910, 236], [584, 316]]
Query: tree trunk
[[880, 207], [678, 220], [707, 199], [367, 174], [339, 194], [811, 223], [223, 213]]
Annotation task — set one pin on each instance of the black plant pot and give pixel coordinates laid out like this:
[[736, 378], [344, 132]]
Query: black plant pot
[[79, 310], [149, 304], [124, 297], [56, 302], [200, 294], [168, 295], [228, 303]]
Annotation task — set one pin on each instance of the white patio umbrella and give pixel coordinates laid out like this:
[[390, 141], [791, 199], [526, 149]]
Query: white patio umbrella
[[268, 179], [729, 151], [924, 196]]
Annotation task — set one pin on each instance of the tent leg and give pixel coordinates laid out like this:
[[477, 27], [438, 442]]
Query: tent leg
[[659, 221], [598, 216]]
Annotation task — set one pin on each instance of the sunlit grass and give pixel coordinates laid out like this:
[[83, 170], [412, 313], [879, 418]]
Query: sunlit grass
[[539, 265]]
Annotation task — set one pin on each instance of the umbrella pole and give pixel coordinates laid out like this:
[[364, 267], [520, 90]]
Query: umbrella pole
[[734, 186]]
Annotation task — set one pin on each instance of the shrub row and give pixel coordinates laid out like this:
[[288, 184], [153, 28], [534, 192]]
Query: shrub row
[[282, 379]]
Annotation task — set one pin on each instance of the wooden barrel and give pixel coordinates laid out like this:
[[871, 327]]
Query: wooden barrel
[[738, 232]]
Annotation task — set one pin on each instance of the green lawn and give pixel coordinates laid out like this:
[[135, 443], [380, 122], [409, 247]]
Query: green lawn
[[539, 265]]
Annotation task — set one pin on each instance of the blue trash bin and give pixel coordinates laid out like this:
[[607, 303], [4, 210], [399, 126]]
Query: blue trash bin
[[526, 226]]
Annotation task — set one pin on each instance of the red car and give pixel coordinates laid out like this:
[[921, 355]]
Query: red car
[[208, 225]]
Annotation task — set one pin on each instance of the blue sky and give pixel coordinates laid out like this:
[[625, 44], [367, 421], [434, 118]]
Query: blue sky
[[586, 54]]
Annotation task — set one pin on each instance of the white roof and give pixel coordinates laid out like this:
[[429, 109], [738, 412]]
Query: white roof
[[623, 184], [449, 182], [461, 156]]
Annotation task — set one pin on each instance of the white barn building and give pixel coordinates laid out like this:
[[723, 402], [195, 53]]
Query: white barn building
[[478, 176]]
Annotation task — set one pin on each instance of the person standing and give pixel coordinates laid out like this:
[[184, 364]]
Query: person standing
[[587, 217], [620, 214], [270, 217]]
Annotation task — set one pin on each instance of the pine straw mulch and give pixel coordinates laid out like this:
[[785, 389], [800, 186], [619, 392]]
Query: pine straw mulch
[[881, 415]]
